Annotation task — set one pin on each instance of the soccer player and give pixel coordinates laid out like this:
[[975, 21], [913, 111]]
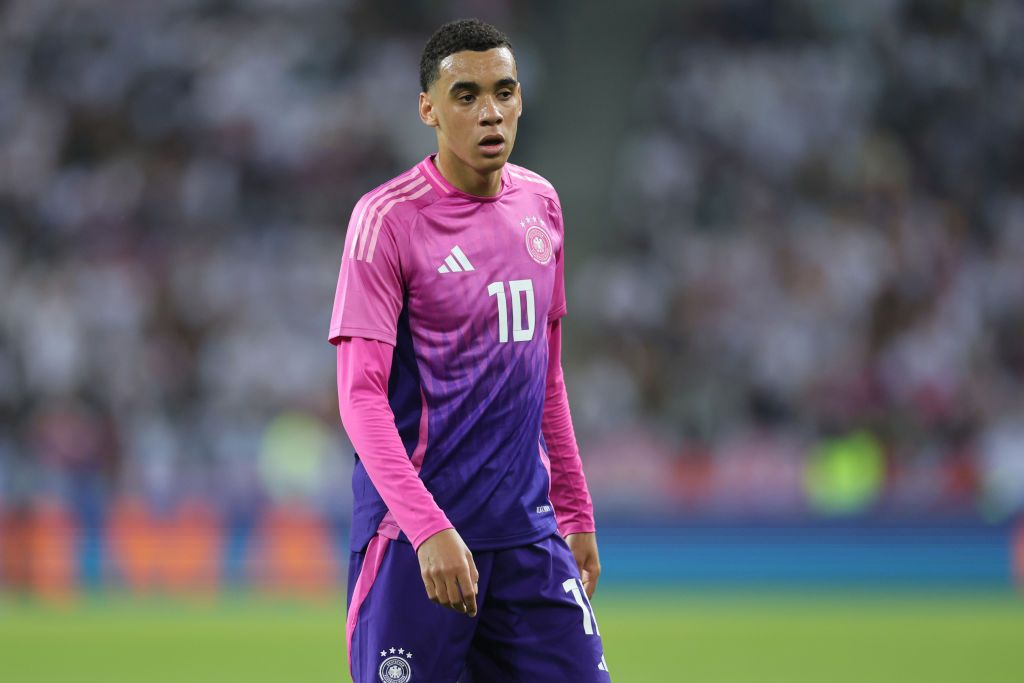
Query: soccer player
[[473, 546]]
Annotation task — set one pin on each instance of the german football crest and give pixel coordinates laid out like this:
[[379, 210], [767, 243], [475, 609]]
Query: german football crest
[[539, 243], [395, 666]]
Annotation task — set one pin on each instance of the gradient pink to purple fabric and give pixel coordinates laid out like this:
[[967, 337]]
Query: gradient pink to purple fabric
[[451, 281]]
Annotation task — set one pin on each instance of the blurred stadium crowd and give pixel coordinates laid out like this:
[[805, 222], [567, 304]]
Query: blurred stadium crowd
[[814, 303], [823, 255]]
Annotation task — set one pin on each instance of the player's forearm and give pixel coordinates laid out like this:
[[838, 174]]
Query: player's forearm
[[570, 496], [363, 368]]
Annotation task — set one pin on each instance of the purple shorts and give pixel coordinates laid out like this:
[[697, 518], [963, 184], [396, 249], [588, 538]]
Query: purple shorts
[[534, 621]]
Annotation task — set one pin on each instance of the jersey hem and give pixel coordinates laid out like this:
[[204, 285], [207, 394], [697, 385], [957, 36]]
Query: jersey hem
[[501, 542], [512, 541]]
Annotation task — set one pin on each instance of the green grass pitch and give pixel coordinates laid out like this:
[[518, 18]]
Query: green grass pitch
[[720, 636]]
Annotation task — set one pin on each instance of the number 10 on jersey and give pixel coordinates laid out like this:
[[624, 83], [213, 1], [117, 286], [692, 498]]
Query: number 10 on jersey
[[518, 289]]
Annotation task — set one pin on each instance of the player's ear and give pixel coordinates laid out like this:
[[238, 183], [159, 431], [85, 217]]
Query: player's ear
[[519, 109], [427, 114]]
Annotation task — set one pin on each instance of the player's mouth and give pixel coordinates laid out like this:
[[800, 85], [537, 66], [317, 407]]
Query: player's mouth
[[492, 145]]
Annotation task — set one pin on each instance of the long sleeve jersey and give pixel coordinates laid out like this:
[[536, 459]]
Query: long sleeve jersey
[[446, 318]]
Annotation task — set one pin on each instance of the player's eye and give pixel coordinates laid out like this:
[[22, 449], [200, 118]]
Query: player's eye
[[467, 98], [505, 94]]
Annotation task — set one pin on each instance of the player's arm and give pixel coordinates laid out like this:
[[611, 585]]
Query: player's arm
[[574, 509], [364, 321], [447, 568]]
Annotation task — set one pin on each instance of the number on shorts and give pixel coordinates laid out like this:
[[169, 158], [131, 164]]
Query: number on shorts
[[575, 586]]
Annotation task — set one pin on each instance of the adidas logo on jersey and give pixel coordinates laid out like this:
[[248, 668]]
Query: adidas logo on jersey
[[455, 262]]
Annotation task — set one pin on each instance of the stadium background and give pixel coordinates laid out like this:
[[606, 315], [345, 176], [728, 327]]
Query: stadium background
[[794, 349]]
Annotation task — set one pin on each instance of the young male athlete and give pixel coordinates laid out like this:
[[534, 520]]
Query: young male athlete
[[473, 547]]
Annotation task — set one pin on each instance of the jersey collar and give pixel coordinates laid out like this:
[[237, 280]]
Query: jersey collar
[[445, 189]]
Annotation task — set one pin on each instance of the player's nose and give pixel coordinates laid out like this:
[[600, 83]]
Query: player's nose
[[490, 113]]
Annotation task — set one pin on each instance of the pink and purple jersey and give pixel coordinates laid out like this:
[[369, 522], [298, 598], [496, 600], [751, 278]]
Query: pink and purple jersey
[[463, 287]]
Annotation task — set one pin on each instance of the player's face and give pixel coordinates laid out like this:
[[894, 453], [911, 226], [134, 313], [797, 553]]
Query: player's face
[[475, 105]]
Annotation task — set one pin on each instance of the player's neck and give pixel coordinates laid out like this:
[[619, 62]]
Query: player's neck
[[466, 179]]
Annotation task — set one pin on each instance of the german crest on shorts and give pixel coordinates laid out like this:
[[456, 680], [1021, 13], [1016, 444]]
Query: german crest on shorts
[[395, 666]]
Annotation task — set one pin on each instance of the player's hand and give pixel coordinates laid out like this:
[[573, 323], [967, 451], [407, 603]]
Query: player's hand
[[448, 571], [584, 549]]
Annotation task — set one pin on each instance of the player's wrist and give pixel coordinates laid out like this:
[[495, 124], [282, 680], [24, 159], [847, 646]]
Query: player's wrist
[[429, 532]]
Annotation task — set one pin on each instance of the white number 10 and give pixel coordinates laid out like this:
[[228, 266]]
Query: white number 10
[[517, 289]]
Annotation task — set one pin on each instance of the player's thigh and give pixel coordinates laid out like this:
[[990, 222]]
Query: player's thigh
[[538, 624], [394, 632]]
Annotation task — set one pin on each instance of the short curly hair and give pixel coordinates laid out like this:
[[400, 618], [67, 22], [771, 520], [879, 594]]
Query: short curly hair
[[456, 36]]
